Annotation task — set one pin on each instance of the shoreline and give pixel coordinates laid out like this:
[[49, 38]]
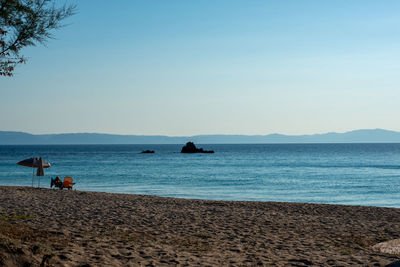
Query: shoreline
[[74, 228], [205, 199]]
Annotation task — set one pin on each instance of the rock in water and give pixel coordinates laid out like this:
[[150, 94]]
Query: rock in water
[[147, 152], [191, 148]]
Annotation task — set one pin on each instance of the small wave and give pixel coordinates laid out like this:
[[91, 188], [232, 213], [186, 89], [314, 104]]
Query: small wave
[[386, 167]]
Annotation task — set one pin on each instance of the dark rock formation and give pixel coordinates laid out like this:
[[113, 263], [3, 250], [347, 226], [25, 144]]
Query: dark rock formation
[[147, 151], [191, 148]]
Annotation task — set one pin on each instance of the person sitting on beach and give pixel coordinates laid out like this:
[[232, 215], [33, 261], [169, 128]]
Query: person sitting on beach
[[57, 182]]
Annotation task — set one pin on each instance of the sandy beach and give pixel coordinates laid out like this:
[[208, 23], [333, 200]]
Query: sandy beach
[[45, 227]]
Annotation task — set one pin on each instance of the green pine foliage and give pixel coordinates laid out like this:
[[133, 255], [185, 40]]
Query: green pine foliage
[[27, 23]]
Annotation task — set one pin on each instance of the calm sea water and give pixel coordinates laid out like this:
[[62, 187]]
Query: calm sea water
[[356, 174]]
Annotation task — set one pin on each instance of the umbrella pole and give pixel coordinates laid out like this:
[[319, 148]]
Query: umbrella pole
[[33, 171]]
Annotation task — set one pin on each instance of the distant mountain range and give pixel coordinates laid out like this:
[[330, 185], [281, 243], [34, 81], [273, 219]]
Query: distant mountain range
[[357, 136]]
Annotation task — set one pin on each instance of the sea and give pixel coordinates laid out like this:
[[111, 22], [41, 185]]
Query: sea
[[352, 174]]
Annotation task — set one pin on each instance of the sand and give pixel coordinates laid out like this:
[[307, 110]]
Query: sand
[[75, 228]]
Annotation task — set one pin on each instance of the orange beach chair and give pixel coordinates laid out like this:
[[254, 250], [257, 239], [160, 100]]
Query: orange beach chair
[[68, 183]]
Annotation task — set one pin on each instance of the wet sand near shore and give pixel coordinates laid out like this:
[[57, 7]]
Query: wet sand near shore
[[45, 227]]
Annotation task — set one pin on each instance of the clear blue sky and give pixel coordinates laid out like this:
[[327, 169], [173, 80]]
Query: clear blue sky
[[208, 67]]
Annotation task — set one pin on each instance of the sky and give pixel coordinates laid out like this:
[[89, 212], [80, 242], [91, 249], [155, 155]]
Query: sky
[[181, 67]]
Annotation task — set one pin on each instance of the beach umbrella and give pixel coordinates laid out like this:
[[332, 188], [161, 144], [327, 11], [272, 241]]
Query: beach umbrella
[[40, 170], [38, 163]]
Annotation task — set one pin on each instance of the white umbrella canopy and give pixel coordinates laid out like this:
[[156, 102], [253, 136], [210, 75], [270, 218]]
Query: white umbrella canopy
[[38, 163]]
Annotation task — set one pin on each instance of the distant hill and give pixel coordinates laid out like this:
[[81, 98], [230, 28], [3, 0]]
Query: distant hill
[[357, 136]]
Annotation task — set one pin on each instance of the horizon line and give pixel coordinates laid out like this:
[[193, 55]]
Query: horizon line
[[218, 134]]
